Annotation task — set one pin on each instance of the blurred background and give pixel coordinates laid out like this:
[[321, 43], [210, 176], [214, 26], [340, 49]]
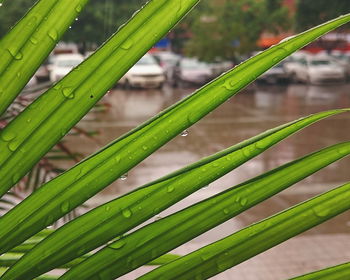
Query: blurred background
[[213, 38]]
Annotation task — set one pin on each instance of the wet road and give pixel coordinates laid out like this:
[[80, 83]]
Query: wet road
[[247, 114]]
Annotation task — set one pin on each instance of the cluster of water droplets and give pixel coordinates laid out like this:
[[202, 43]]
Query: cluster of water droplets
[[10, 137]]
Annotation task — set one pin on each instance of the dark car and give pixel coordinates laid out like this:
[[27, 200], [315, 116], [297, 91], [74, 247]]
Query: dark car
[[190, 71]]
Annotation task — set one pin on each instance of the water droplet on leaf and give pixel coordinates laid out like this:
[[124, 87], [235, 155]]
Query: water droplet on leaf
[[184, 133], [124, 177], [127, 213]]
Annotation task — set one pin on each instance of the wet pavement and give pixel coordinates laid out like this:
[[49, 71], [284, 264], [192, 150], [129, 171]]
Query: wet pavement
[[247, 114]]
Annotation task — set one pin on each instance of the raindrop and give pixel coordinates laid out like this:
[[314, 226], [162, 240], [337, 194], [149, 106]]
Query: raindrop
[[144, 147], [170, 189], [19, 56], [33, 40], [127, 213], [124, 177], [13, 145], [184, 133], [70, 27], [68, 92], [78, 8], [117, 159], [117, 245], [243, 202], [246, 152], [226, 211], [108, 208], [53, 34], [321, 212], [127, 44], [8, 135]]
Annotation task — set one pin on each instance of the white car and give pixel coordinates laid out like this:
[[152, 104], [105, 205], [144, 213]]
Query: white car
[[146, 73], [318, 69], [62, 64], [294, 63]]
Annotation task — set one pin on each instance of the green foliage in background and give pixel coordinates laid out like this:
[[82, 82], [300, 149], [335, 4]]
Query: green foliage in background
[[234, 27], [30, 250], [309, 14], [95, 24]]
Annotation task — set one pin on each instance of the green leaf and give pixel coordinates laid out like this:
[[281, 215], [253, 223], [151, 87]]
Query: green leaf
[[162, 236], [127, 151], [60, 108], [257, 238], [43, 277], [112, 219], [339, 272], [9, 259], [57, 110], [30, 41]]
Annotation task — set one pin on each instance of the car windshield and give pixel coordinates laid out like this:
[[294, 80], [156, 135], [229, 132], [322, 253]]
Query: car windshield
[[320, 62], [193, 64], [147, 60], [68, 63]]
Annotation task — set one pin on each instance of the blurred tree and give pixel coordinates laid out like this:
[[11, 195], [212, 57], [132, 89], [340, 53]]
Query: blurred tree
[[310, 13], [11, 12], [226, 29], [96, 23]]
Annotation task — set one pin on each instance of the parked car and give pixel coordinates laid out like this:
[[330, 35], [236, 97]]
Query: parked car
[[220, 67], [145, 73], [167, 60], [276, 74], [190, 71], [318, 69], [62, 64], [294, 63], [343, 60]]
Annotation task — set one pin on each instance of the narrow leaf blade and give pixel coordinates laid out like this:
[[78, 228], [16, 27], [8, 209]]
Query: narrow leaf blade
[[238, 247], [30, 41], [339, 272], [64, 105], [120, 215], [162, 236]]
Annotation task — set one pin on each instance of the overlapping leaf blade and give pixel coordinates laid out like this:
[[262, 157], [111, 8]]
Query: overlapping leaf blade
[[84, 180], [30, 41], [9, 259], [56, 111], [117, 217], [240, 246], [147, 243], [339, 272], [65, 104]]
